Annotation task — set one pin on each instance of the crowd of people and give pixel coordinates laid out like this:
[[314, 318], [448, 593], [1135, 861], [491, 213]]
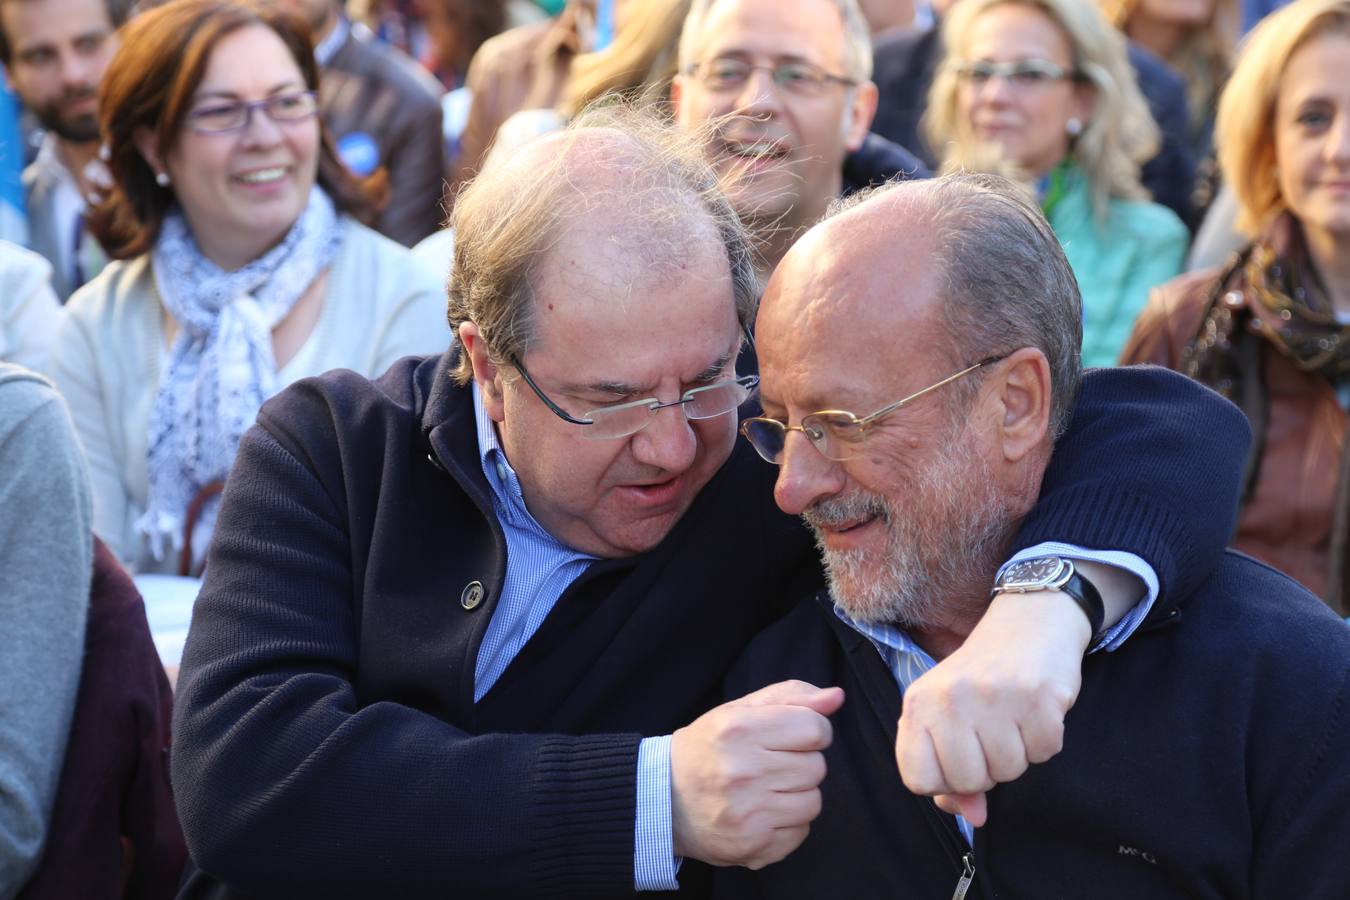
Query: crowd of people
[[612, 446]]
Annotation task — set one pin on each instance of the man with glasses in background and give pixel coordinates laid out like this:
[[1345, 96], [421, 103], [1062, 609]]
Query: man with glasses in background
[[479, 644], [785, 89], [1231, 779]]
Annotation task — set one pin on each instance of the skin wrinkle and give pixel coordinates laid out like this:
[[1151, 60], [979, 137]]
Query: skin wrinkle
[[936, 475]]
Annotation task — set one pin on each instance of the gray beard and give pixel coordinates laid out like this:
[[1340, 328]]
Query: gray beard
[[951, 534]]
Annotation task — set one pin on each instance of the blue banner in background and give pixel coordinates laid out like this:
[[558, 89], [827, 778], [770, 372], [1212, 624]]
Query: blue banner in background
[[13, 221], [604, 24]]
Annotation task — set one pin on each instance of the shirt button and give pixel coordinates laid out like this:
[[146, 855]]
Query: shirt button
[[472, 596], [501, 471]]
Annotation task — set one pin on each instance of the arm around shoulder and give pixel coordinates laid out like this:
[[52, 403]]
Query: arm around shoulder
[[1151, 465]]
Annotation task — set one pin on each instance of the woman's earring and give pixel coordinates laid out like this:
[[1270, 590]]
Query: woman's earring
[[162, 179], [1074, 126]]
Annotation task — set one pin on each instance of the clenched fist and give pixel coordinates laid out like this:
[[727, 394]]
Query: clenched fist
[[745, 777]]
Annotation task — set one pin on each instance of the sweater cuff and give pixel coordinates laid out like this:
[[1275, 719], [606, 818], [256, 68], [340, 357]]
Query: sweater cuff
[[584, 798], [1100, 516]]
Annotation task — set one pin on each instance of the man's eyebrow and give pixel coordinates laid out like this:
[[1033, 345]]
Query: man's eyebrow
[[717, 368], [624, 389]]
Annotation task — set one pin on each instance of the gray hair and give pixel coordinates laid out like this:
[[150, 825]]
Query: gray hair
[[507, 218], [1005, 281], [857, 49]]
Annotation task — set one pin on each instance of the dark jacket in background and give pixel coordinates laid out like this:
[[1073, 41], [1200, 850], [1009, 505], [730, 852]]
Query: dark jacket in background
[[879, 160], [383, 112], [904, 66], [327, 743], [114, 832]]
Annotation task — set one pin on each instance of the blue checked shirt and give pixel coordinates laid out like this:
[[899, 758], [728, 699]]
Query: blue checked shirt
[[539, 568], [907, 660]]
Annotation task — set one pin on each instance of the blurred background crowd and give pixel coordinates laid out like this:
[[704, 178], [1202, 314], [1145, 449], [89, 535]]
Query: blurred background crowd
[[197, 212]]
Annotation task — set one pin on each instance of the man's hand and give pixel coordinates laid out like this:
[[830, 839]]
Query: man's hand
[[745, 777], [996, 704]]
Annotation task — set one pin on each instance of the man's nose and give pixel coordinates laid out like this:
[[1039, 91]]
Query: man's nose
[[667, 442], [78, 71], [760, 94], [805, 475]]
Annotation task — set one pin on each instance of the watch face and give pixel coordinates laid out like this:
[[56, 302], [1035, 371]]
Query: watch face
[[1032, 573]]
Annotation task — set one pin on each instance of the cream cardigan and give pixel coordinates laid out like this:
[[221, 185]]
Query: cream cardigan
[[381, 305]]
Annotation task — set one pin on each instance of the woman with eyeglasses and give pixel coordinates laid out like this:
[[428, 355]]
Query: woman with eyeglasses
[[1042, 90], [1270, 329], [241, 268]]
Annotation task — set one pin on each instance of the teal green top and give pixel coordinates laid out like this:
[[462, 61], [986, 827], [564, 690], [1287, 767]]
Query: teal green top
[[1138, 247]]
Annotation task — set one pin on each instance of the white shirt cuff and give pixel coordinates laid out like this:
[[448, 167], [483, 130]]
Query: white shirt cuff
[[654, 862]]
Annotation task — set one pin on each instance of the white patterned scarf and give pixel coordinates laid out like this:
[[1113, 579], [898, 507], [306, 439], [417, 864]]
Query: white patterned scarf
[[221, 367]]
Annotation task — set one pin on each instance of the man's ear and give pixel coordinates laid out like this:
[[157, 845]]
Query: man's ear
[[144, 139], [1025, 398], [861, 112], [485, 371]]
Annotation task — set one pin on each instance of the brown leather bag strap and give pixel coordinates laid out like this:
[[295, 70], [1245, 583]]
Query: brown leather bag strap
[[194, 512]]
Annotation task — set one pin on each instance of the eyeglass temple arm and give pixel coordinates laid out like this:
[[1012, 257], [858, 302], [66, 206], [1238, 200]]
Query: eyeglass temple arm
[[900, 404], [557, 410]]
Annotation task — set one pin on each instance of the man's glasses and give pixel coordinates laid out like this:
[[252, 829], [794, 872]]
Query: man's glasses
[[624, 419], [224, 117], [1025, 73], [836, 433], [728, 73]]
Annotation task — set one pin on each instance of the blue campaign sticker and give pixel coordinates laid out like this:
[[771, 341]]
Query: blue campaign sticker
[[359, 152]]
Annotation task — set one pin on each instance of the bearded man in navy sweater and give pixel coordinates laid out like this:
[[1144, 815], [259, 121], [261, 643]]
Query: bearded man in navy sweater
[[1231, 782], [464, 628]]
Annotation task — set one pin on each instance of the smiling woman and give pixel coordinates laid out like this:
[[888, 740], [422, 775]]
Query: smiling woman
[[1042, 90], [241, 268], [1271, 329]]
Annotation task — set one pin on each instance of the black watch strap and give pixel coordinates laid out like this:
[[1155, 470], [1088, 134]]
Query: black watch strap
[[1089, 600]]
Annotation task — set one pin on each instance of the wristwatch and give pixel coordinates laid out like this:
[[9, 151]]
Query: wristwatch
[[1054, 573]]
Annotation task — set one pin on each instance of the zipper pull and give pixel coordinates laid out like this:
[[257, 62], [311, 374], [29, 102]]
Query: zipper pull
[[967, 876]]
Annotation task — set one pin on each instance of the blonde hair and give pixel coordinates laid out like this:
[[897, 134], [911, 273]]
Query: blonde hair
[[640, 64], [1245, 129], [508, 217], [1116, 140], [1204, 58]]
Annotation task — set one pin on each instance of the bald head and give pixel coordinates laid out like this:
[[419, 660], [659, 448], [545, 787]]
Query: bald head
[[622, 184], [961, 266]]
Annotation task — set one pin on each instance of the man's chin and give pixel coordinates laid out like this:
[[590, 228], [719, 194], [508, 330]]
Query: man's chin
[[79, 130]]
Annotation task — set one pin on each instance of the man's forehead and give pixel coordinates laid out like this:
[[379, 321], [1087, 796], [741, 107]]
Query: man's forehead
[[32, 20], [630, 287], [852, 295], [806, 29]]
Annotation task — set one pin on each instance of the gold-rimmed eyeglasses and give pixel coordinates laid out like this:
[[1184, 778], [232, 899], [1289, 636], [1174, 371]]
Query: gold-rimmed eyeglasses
[[836, 433]]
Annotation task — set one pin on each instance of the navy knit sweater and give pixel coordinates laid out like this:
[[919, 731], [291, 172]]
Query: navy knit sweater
[[326, 742]]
